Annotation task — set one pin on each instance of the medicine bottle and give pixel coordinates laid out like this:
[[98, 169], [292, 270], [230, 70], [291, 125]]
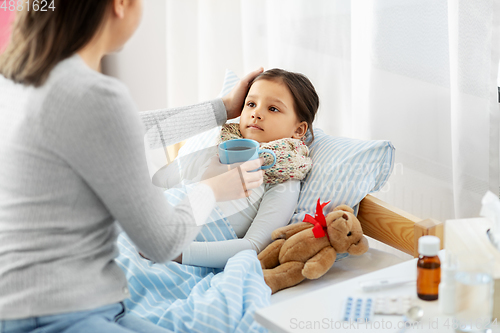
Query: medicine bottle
[[428, 268]]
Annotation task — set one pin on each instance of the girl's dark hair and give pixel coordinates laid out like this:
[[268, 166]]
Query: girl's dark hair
[[41, 39], [305, 98]]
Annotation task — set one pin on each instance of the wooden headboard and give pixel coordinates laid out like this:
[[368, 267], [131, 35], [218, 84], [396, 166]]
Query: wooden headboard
[[395, 227]]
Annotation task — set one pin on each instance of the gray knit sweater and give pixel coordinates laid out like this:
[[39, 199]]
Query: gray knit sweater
[[72, 164]]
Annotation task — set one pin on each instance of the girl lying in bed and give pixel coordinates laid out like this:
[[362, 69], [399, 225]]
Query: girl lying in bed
[[279, 109]]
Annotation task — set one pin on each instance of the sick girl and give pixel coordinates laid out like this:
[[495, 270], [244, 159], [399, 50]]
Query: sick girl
[[278, 111]]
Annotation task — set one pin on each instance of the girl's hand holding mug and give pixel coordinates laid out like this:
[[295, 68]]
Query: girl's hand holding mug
[[233, 181]]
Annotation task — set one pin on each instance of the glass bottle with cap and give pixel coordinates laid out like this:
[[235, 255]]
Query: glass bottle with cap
[[428, 268]]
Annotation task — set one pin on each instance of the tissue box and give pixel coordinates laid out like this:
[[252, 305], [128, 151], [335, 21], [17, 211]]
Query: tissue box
[[470, 235]]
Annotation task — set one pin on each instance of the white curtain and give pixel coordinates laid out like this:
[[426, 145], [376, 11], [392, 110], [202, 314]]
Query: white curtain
[[421, 73]]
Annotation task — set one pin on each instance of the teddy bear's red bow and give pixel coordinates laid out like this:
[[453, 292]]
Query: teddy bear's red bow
[[319, 221]]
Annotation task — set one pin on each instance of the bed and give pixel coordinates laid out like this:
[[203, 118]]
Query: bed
[[186, 298]]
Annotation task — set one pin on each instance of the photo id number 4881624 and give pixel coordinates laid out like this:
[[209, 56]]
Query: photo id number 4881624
[[28, 5]]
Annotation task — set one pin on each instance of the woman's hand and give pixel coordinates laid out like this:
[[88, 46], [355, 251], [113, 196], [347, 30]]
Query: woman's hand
[[236, 97], [233, 181]]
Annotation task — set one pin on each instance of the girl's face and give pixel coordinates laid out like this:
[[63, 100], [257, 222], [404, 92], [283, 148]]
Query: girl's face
[[269, 113]]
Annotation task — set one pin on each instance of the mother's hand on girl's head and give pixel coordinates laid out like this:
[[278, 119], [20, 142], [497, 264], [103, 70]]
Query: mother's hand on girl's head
[[238, 182], [236, 97]]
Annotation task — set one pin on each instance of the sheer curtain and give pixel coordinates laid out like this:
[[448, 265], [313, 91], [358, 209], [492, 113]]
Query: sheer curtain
[[421, 73]]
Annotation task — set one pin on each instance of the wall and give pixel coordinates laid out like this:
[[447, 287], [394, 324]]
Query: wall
[[6, 19], [142, 63]]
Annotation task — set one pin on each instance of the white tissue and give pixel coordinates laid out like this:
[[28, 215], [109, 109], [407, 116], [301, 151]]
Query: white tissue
[[491, 210]]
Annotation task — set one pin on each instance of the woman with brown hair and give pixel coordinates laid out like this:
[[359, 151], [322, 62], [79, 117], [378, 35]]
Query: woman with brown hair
[[72, 164]]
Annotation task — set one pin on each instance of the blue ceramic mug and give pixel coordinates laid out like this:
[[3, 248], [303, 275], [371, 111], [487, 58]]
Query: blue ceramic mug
[[242, 150]]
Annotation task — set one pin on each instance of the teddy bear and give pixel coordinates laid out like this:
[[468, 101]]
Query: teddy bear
[[308, 249]]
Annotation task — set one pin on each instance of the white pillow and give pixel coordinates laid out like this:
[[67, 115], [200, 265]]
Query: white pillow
[[344, 170]]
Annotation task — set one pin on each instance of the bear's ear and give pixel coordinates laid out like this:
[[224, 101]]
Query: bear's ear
[[344, 208]]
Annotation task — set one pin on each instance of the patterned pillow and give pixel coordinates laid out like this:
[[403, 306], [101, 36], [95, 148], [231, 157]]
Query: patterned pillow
[[344, 170]]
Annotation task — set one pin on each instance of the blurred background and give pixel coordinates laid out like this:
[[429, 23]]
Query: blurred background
[[421, 73]]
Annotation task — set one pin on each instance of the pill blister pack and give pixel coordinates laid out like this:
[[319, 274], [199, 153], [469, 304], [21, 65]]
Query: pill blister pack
[[357, 309], [392, 305], [361, 309]]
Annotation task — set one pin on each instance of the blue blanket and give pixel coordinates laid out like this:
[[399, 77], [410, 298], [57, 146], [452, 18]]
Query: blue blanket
[[185, 298]]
